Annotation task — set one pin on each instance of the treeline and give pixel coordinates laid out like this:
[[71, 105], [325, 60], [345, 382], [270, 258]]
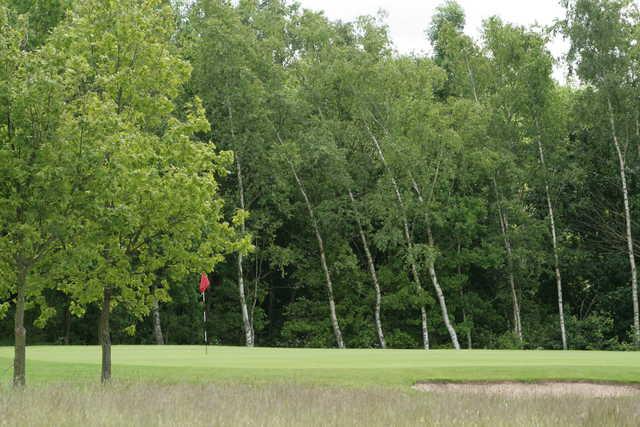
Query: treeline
[[338, 193]]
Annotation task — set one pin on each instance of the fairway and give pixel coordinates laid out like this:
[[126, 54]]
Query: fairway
[[361, 367]]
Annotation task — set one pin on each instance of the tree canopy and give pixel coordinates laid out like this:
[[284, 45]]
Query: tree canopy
[[338, 193]]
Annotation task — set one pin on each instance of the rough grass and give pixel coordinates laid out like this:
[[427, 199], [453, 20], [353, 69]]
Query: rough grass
[[296, 405], [359, 368]]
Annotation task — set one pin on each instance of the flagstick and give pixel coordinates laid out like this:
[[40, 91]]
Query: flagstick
[[204, 319]]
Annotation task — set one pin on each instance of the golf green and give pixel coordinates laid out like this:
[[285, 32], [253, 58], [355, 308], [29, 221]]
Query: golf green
[[325, 366]]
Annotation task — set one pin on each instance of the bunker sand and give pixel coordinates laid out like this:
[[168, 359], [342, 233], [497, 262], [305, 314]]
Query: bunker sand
[[522, 389]]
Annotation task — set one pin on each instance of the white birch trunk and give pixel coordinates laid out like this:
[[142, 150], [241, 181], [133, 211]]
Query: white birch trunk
[[504, 227], [517, 322], [627, 217], [407, 235], [323, 261], [434, 276], [254, 302], [372, 270], [554, 240], [246, 324], [464, 312], [248, 330], [464, 319], [471, 79]]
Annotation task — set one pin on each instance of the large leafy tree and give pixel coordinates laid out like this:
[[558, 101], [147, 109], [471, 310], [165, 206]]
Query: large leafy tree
[[130, 191], [36, 171]]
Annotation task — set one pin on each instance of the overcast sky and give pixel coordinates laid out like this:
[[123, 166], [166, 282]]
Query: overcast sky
[[408, 19]]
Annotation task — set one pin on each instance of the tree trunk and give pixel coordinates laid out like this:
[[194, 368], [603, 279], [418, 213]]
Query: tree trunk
[[464, 319], [157, 325], [67, 324], [270, 309], [105, 337], [252, 312], [627, 217], [19, 360], [434, 276], [471, 79], [407, 235], [323, 260], [248, 330], [440, 294], [372, 270], [504, 227], [517, 322], [464, 311], [246, 324], [554, 239]]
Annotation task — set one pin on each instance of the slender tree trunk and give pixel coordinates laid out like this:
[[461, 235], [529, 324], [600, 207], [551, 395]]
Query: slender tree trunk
[[253, 310], [464, 319], [637, 130], [554, 239], [246, 323], [440, 295], [517, 322], [627, 216], [323, 260], [19, 360], [105, 337], [504, 227], [372, 270], [157, 324], [434, 276], [254, 297], [471, 79], [464, 311], [270, 309], [407, 235], [67, 325]]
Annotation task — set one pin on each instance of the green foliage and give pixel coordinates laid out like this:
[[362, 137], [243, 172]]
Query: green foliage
[[595, 332], [142, 142]]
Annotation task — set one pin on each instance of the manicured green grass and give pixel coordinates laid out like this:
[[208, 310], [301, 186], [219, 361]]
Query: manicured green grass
[[320, 366]]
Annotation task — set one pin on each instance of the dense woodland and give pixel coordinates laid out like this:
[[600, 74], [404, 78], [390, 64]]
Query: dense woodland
[[338, 193]]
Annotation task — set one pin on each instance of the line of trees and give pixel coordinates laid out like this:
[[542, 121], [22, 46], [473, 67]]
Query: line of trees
[[457, 199]]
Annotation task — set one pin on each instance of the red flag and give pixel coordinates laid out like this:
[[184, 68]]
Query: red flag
[[204, 282]]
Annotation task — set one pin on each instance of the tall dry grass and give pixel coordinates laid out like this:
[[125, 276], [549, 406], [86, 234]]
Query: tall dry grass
[[123, 404]]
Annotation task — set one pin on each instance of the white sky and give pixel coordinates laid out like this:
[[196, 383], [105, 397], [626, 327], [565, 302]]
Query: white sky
[[407, 19]]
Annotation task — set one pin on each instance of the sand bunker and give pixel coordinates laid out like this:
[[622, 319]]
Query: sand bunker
[[520, 389]]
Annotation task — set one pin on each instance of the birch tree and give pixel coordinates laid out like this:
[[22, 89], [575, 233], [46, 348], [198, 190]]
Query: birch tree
[[239, 78], [523, 70], [337, 332], [372, 270], [407, 235], [599, 32]]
